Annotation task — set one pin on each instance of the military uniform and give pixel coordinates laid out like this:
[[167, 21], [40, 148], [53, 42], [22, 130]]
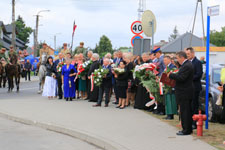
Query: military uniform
[[79, 50], [4, 57], [44, 51], [13, 55], [65, 51]]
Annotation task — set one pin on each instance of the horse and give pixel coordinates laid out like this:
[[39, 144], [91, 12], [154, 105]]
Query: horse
[[2, 75], [42, 72], [13, 70]]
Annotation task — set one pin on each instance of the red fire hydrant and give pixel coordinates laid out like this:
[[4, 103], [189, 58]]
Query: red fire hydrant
[[199, 118]]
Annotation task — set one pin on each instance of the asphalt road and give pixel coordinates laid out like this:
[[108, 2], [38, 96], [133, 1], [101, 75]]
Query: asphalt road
[[27, 89], [17, 136]]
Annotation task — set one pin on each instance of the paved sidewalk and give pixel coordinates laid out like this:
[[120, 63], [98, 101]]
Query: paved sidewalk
[[112, 128]]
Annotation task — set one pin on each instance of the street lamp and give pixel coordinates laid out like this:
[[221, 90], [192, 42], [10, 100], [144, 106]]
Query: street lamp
[[55, 39], [36, 31]]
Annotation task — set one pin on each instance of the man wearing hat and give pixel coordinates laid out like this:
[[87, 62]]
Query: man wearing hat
[[161, 67], [13, 55], [3, 57], [80, 49], [65, 50], [4, 60], [44, 50]]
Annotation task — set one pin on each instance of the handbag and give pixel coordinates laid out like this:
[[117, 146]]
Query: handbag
[[219, 100]]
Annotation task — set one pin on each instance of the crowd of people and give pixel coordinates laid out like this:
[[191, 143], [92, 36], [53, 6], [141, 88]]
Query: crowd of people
[[65, 81], [122, 89]]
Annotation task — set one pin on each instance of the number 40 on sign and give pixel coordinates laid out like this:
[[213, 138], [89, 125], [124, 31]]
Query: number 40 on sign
[[136, 27]]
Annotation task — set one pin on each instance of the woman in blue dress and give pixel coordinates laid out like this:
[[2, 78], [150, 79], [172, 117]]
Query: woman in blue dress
[[68, 75]]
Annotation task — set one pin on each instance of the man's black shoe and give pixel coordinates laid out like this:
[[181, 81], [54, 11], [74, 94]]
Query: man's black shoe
[[91, 101], [162, 113], [168, 117], [156, 112], [182, 133], [194, 127], [60, 98]]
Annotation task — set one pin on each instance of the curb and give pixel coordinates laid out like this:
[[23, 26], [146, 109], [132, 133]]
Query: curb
[[91, 139]]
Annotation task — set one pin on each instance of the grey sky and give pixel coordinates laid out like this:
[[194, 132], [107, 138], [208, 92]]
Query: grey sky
[[109, 17]]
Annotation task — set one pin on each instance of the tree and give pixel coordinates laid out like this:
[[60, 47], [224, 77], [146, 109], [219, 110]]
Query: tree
[[174, 35], [104, 46], [23, 32], [218, 38]]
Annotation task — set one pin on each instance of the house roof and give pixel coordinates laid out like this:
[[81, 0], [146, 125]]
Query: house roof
[[183, 42], [212, 49], [8, 28]]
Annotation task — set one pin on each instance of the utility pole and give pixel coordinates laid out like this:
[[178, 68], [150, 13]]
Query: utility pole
[[141, 8], [193, 27], [55, 41], [13, 25], [34, 34], [36, 37]]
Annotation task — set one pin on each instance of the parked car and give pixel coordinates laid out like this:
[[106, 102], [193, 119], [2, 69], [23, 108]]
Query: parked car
[[215, 111]]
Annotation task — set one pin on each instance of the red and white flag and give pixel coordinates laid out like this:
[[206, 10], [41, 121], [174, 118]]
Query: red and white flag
[[74, 28]]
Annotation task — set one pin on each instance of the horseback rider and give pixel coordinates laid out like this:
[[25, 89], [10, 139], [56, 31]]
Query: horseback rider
[[3, 58], [3, 61], [44, 51], [80, 49], [65, 50], [13, 57]]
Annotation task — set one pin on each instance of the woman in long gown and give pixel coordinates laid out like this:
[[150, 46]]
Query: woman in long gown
[[68, 75], [50, 81]]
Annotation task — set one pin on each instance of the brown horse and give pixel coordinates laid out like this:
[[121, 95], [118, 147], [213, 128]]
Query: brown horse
[[13, 70], [2, 75]]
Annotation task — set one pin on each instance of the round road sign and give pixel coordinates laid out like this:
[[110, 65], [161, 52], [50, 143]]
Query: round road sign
[[136, 27], [135, 37]]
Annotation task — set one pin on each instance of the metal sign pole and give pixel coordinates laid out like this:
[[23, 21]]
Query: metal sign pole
[[207, 73], [152, 34], [142, 46]]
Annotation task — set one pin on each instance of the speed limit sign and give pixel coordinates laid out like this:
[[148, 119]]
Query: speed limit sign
[[136, 27]]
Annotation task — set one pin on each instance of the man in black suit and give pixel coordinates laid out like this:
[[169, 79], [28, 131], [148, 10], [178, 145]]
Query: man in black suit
[[198, 71], [106, 84], [58, 75], [94, 65], [184, 91]]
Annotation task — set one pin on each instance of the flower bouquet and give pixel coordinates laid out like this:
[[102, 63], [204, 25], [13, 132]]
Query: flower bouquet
[[59, 67], [98, 75], [84, 68], [118, 71], [146, 73]]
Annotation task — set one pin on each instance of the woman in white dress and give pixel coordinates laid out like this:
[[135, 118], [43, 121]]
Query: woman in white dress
[[50, 81]]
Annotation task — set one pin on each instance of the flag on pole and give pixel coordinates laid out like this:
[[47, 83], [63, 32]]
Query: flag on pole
[[74, 28]]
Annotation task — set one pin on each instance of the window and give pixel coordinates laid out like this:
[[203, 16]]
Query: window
[[216, 75]]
